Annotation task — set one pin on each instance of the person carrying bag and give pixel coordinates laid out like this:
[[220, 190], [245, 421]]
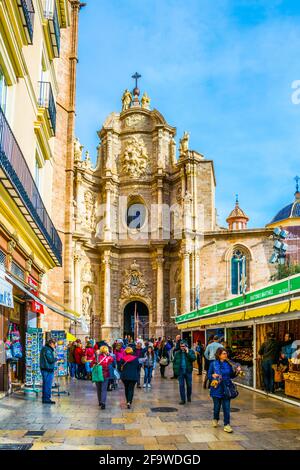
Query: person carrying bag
[[101, 374], [222, 389]]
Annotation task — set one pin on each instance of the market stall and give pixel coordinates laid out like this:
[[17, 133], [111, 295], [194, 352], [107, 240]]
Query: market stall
[[291, 379], [240, 343]]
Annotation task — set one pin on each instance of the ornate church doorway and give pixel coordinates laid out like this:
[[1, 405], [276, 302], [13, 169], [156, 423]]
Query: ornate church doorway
[[136, 320]]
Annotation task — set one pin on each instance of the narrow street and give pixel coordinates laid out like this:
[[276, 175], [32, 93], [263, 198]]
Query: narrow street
[[76, 422]]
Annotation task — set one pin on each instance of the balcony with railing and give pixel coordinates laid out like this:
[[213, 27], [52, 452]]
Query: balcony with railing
[[26, 10], [50, 13], [17, 179], [46, 100]]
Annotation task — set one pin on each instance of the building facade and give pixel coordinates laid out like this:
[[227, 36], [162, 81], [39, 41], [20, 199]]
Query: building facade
[[37, 63], [146, 243]]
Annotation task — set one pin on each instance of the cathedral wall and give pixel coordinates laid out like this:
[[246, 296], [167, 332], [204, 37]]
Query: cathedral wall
[[206, 195], [215, 264]]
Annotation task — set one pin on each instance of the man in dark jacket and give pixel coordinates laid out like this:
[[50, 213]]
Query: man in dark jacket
[[183, 369], [175, 349], [47, 364], [269, 351]]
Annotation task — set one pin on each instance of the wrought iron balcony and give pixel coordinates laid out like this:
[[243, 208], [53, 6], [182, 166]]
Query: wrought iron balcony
[[46, 100], [26, 10], [17, 179], [50, 13]]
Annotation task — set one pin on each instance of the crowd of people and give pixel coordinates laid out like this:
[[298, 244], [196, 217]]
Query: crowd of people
[[106, 365]]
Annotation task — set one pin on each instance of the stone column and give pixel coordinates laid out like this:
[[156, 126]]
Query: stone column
[[107, 228], [77, 292], [106, 328], [159, 293], [185, 281]]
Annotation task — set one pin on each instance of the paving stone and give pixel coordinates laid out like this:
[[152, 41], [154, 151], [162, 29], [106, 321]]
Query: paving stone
[[76, 422]]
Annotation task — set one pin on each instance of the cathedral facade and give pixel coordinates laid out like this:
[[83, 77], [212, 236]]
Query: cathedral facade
[[146, 242]]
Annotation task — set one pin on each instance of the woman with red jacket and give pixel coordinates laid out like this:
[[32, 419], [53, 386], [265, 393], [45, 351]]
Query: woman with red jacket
[[89, 358], [105, 360], [78, 355], [119, 351]]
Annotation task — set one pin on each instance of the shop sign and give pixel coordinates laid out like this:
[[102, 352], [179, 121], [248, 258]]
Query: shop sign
[[6, 294], [267, 292], [36, 307]]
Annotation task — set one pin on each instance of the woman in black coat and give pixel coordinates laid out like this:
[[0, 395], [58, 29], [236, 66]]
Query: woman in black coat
[[130, 366], [164, 358]]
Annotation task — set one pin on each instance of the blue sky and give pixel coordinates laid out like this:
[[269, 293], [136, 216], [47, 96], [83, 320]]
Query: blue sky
[[222, 70]]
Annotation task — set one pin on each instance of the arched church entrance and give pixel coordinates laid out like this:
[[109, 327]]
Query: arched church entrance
[[136, 320]]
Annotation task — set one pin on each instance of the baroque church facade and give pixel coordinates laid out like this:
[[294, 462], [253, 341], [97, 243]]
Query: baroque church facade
[[146, 242]]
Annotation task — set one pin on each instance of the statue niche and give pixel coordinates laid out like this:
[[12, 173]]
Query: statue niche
[[87, 300]]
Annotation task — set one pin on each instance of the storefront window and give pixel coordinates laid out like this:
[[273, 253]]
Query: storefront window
[[240, 346]]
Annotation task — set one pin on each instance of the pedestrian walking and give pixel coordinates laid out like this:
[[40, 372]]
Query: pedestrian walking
[[175, 348], [206, 362], [220, 374], [71, 359], [112, 379], [210, 352], [130, 366], [104, 359], [269, 353], [164, 358], [183, 368], [119, 353], [47, 365], [149, 365], [139, 354], [199, 352], [89, 355], [80, 366]]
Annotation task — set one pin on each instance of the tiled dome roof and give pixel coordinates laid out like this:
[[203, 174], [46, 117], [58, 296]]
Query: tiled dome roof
[[290, 211], [237, 212]]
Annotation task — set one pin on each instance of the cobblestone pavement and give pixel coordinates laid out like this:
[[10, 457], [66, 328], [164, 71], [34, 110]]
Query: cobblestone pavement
[[76, 421]]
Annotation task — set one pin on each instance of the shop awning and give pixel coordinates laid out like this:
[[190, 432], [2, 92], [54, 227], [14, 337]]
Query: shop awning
[[70, 314], [282, 307], [247, 314], [70, 337], [213, 321]]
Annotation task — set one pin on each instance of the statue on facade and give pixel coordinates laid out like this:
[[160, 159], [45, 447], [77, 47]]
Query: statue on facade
[[87, 298], [90, 216], [184, 143], [77, 150], [126, 100], [145, 101]]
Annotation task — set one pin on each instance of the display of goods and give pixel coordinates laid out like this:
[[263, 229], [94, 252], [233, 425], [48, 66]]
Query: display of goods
[[61, 366], [34, 344], [292, 388], [243, 354]]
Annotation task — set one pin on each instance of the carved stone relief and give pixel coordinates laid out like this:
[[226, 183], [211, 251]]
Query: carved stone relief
[[134, 284], [134, 160]]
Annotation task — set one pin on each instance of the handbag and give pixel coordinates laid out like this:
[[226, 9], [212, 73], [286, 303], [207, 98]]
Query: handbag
[[83, 360], [116, 374], [163, 361], [230, 390], [8, 354], [97, 372]]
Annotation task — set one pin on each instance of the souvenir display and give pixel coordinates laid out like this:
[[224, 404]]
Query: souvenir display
[[13, 343], [34, 344], [61, 366]]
